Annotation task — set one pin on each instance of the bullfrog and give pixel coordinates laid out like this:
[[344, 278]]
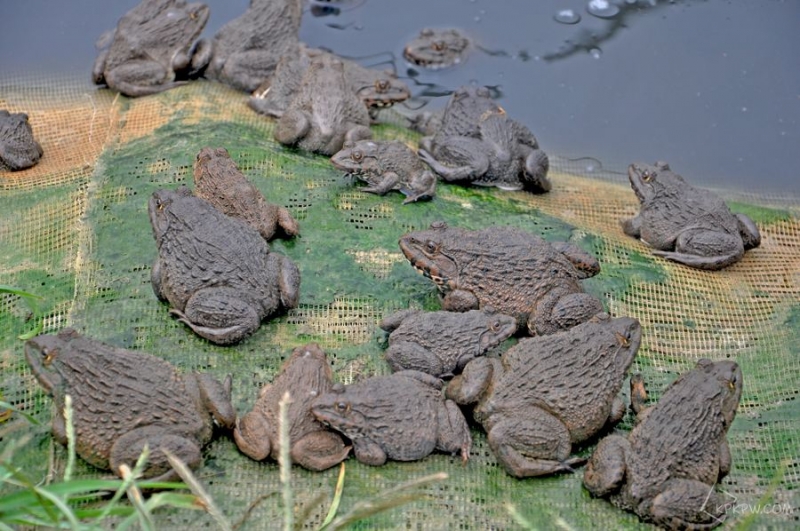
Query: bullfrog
[[688, 225], [403, 416], [437, 48], [305, 376], [442, 343], [246, 50], [513, 271], [152, 44], [218, 180], [550, 392], [19, 150], [124, 399], [666, 468], [216, 272], [324, 113], [387, 165]]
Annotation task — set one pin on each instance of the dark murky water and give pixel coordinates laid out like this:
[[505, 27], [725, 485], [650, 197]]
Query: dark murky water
[[711, 86]]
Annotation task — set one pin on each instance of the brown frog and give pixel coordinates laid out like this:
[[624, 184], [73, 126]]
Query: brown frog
[[666, 468], [123, 400], [324, 113], [403, 417], [387, 165], [218, 180], [18, 149], [685, 224], [550, 392], [442, 343], [247, 49], [216, 272], [437, 48], [513, 271], [153, 43], [477, 143], [305, 375]]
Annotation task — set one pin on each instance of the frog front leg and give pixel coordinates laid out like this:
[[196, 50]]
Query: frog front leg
[[532, 443], [460, 300], [606, 469], [388, 181], [686, 504], [705, 249], [293, 126], [632, 226], [140, 78], [319, 450], [222, 315], [457, 158], [453, 434], [127, 449], [288, 281], [248, 69], [422, 186], [537, 165], [215, 397], [369, 452], [405, 355], [751, 237]]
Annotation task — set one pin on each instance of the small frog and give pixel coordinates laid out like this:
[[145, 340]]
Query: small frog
[[442, 343], [509, 269], [123, 400], [666, 468], [403, 417], [325, 112], [478, 143], [437, 48], [216, 272], [685, 224], [247, 49], [18, 149], [305, 376], [550, 392], [152, 44], [219, 181], [387, 165]]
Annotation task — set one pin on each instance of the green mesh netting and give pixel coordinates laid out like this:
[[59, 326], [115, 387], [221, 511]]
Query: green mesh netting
[[75, 231]]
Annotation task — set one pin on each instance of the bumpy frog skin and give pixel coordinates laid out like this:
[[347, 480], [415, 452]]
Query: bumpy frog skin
[[247, 50], [153, 42], [123, 399], [216, 272], [437, 48], [218, 180], [403, 417], [685, 224], [550, 392], [305, 375], [442, 343], [477, 143], [512, 271], [18, 149], [666, 468], [387, 165], [325, 113]]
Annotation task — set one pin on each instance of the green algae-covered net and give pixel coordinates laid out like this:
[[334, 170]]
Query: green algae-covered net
[[74, 231]]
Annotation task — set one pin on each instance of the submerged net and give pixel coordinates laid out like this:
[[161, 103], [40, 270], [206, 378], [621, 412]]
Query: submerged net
[[74, 230]]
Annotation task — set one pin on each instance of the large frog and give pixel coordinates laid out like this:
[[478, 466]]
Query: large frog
[[437, 48], [152, 44], [689, 225], [218, 180], [18, 149], [123, 400], [550, 392], [403, 417], [478, 143], [216, 272], [305, 376], [508, 269], [387, 165], [324, 113], [442, 343], [666, 468], [247, 49]]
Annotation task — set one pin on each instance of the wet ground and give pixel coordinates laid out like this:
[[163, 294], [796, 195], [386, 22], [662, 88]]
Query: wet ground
[[713, 86]]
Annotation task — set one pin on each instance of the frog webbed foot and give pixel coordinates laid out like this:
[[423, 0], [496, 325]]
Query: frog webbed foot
[[252, 436], [688, 504], [605, 471], [127, 449], [221, 315], [405, 355], [705, 249], [287, 223], [319, 450]]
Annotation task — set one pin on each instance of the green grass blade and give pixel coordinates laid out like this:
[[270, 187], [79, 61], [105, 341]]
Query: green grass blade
[[337, 498]]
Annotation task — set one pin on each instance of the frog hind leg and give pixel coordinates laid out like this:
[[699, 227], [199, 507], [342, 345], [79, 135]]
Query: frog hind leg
[[537, 165], [405, 355], [292, 127], [127, 449], [467, 159], [288, 281], [319, 450], [422, 186], [140, 78], [751, 237], [585, 263], [705, 249], [221, 315], [687, 504], [474, 380], [251, 436], [453, 432], [388, 181], [559, 311], [248, 69], [606, 469]]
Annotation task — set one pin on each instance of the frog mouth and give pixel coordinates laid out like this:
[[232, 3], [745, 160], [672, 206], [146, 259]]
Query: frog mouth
[[427, 272]]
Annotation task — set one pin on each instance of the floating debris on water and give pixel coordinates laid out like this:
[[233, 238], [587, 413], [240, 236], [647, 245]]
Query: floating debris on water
[[595, 52], [602, 9], [567, 16]]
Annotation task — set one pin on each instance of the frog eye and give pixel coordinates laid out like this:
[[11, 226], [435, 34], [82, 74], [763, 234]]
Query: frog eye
[[342, 408], [647, 176], [494, 325], [439, 46], [431, 246], [624, 340], [357, 155], [49, 355], [732, 383], [381, 85]]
